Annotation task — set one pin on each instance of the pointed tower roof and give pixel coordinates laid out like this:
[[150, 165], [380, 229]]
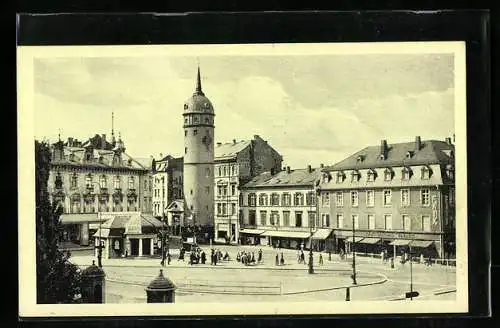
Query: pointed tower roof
[[198, 90]]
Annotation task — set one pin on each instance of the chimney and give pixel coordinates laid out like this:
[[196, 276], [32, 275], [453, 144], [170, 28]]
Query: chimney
[[448, 140], [309, 168], [418, 143], [383, 147], [321, 165], [70, 142], [234, 141], [288, 169]]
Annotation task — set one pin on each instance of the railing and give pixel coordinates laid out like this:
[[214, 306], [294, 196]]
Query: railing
[[415, 259], [231, 287]]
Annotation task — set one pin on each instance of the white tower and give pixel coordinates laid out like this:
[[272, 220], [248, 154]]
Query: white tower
[[198, 158]]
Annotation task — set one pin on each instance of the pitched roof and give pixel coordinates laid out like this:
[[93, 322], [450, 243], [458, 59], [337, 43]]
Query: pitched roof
[[230, 149], [431, 152], [298, 177]]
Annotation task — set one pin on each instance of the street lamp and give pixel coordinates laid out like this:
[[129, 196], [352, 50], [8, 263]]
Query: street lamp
[[164, 238], [353, 253], [411, 275]]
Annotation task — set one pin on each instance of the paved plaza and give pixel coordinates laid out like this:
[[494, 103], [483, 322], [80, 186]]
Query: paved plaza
[[231, 281]]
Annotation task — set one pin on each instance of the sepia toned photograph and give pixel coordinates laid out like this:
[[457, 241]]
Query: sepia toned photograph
[[242, 179]]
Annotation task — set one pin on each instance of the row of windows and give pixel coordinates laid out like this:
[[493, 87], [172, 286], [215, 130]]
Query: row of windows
[[286, 199], [406, 174], [422, 223], [223, 208], [226, 170], [275, 219], [103, 181], [197, 119], [370, 198], [223, 190]]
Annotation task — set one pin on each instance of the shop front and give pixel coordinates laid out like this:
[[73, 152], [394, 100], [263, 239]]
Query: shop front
[[285, 239], [322, 241], [75, 229], [251, 236], [127, 234]]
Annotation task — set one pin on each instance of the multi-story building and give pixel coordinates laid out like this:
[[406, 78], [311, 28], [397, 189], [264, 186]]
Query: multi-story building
[[167, 184], [95, 176], [393, 197], [280, 209], [235, 164]]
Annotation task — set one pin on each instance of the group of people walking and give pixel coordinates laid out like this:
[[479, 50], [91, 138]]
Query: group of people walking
[[248, 258]]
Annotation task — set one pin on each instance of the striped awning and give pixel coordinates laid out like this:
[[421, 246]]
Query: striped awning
[[252, 231], [287, 234], [370, 240], [358, 239], [321, 234], [78, 218], [400, 242], [421, 243]]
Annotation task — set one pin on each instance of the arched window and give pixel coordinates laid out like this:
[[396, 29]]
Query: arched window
[[405, 173], [287, 199], [74, 180], [371, 175], [275, 199], [387, 174], [426, 172], [117, 182]]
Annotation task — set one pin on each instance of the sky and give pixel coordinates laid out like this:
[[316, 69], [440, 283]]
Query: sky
[[313, 109]]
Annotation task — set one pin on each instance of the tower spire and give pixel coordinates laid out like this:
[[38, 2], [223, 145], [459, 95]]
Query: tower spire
[[198, 90]]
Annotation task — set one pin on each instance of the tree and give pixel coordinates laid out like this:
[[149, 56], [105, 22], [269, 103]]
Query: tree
[[58, 280]]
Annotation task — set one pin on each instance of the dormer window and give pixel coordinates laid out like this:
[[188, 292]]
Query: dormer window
[[388, 174], [101, 159], [406, 173], [72, 157], [360, 158], [426, 172], [381, 157], [355, 176], [88, 156], [371, 175], [340, 177], [409, 154], [325, 178], [207, 106], [129, 162]]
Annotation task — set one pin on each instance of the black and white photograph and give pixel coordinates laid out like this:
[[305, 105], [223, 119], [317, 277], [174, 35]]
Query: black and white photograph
[[323, 178]]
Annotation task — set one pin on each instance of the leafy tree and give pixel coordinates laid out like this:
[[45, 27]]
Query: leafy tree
[[58, 280]]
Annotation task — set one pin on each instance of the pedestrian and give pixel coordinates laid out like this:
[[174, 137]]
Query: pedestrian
[[212, 254], [203, 257], [298, 256], [282, 260], [215, 259], [252, 260], [168, 258], [421, 258], [277, 260], [260, 255], [320, 259], [302, 257], [330, 255]]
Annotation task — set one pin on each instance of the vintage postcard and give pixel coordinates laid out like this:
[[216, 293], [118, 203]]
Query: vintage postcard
[[242, 179]]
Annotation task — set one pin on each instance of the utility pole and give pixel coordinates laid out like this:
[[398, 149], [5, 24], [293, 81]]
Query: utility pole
[[411, 275]]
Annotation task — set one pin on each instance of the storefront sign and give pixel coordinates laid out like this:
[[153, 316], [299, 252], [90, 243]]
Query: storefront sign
[[386, 235]]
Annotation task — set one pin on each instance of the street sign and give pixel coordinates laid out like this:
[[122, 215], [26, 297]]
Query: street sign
[[412, 294]]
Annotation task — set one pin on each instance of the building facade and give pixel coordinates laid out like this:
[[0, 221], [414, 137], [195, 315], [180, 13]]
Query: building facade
[[167, 184], [95, 176], [235, 164], [198, 159], [281, 209], [394, 198]]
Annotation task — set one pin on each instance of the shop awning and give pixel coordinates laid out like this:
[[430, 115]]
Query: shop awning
[[321, 234], [349, 239], [102, 233], [287, 234], [78, 218], [252, 231], [400, 242], [421, 243], [370, 240]]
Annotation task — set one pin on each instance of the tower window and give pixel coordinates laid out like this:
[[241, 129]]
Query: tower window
[[196, 119], [185, 150], [191, 191], [185, 106], [195, 132], [207, 120], [186, 120], [185, 133]]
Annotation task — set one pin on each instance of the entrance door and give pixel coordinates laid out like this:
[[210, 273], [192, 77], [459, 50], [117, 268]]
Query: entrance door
[[146, 246], [134, 247]]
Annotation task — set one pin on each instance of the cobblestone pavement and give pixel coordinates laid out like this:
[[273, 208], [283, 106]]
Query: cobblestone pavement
[[229, 281]]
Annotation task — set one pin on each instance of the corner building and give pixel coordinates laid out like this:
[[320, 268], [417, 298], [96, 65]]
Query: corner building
[[198, 159], [393, 197]]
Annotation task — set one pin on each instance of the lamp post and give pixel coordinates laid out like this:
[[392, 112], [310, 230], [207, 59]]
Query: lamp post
[[411, 275], [353, 253], [311, 268], [164, 238]]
